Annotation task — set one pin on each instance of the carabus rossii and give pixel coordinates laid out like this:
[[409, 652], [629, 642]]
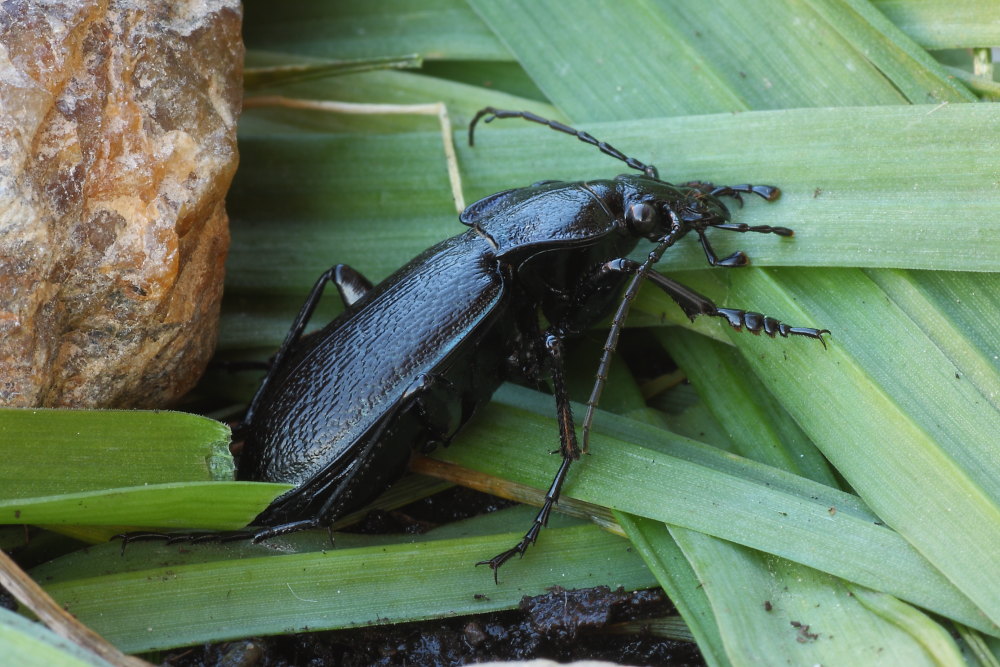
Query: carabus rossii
[[410, 360]]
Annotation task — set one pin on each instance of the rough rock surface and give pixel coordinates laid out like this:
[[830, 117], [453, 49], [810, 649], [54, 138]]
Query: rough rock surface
[[117, 146]]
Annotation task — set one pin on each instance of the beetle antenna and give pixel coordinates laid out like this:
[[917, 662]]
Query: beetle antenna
[[677, 230], [491, 113]]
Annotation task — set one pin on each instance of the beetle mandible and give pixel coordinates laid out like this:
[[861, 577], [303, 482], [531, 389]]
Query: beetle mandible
[[411, 359]]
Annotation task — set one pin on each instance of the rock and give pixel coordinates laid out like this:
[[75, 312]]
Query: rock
[[117, 146]]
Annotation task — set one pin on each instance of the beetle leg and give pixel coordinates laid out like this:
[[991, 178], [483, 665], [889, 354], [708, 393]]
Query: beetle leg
[[567, 431], [140, 536], [252, 533], [766, 192], [341, 493], [704, 186], [186, 537], [567, 447], [677, 230], [738, 258], [694, 304], [257, 535], [440, 427], [351, 284], [761, 229]]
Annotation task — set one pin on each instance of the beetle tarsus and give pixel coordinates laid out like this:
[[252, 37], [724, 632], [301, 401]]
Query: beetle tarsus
[[738, 258], [756, 323], [541, 520], [139, 536], [760, 229]]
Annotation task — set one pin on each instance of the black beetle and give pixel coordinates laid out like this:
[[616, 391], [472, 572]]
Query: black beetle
[[410, 360]]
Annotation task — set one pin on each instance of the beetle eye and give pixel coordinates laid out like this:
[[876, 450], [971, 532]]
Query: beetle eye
[[640, 218]]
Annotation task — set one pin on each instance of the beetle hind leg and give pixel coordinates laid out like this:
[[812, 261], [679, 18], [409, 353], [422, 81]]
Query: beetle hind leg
[[178, 538], [254, 534], [351, 285], [568, 447], [541, 520], [258, 534]]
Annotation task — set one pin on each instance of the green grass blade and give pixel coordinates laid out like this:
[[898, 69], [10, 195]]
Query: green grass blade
[[787, 70], [28, 644], [913, 439], [955, 24], [677, 481], [795, 615], [181, 505], [960, 313], [262, 69], [597, 83], [689, 52], [756, 423], [934, 639], [911, 70], [114, 468], [433, 28], [189, 603], [667, 561], [503, 76], [47, 452]]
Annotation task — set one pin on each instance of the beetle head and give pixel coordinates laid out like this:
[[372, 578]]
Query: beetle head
[[651, 208]]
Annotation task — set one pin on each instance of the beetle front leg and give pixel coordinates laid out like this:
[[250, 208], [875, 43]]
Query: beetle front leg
[[693, 304], [567, 447], [738, 258], [766, 192]]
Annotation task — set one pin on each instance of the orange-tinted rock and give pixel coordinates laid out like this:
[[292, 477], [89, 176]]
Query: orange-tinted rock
[[117, 146]]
